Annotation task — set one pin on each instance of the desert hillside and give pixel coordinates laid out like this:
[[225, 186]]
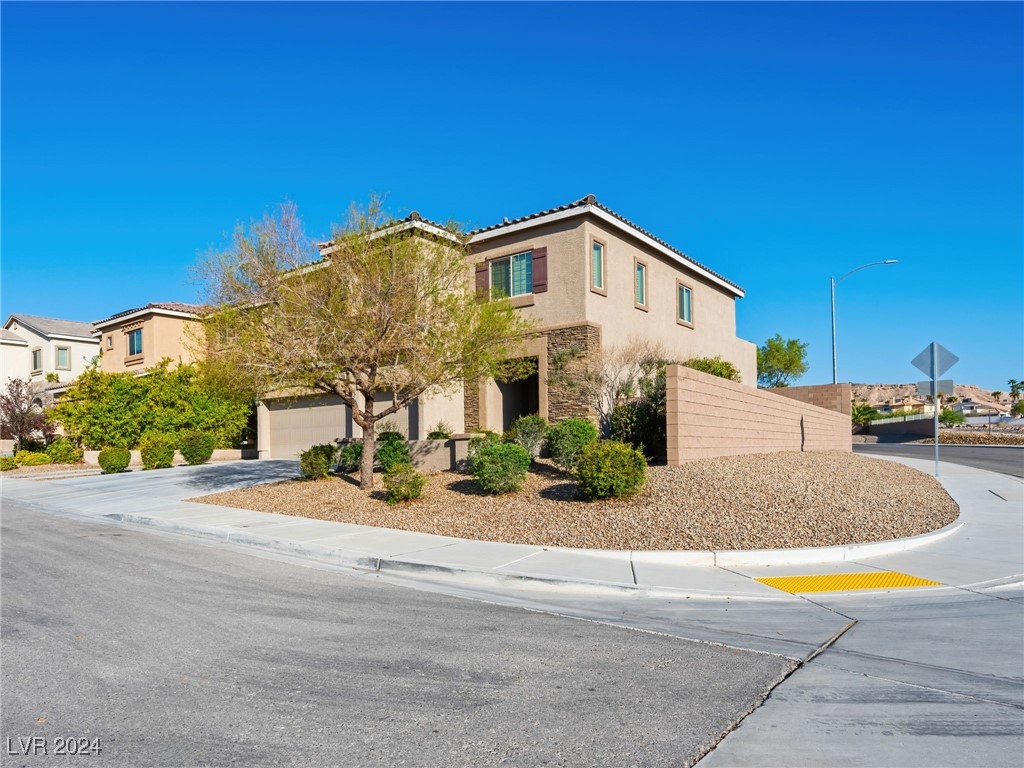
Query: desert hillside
[[874, 394]]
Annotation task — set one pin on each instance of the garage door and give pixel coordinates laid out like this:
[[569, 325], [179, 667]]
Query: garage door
[[294, 425]]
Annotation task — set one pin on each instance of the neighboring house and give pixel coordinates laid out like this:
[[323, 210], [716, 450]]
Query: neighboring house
[[969, 407], [906, 406], [593, 280], [44, 349], [137, 339]]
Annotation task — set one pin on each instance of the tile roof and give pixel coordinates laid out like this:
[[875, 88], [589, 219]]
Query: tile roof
[[171, 306], [590, 200], [412, 217], [51, 326]]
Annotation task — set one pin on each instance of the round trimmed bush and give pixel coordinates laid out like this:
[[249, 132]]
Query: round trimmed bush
[[403, 483], [197, 447], [7, 463], [63, 451], [31, 458], [608, 469], [157, 451], [392, 450], [500, 467], [316, 461], [350, 457], [114, 460], [567, 439]]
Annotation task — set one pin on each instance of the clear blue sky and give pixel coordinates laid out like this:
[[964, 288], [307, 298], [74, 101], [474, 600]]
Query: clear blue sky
[[779, 144]]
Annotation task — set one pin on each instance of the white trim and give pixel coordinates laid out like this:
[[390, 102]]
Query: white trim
[[98, 326], [18, 343], [327, 248], [606, 217], [62, 337]]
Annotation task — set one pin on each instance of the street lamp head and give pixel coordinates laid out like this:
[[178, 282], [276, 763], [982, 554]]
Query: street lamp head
[[891, 261]]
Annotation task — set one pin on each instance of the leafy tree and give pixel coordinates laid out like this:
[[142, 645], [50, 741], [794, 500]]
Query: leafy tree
[[949, 417], [780, 362], [1017, 409], [385, 309], [20, 416]]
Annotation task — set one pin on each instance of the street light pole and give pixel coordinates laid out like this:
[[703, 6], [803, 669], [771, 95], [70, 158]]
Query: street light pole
[[834, 283]]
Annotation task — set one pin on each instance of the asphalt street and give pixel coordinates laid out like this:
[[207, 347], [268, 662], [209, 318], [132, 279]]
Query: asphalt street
[[175, 652], [1006, 459]]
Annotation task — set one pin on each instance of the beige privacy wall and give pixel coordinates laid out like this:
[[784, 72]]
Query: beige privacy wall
[[831, 397], [710, 416]]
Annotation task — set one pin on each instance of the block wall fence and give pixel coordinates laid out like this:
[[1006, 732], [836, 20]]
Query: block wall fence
[[709, 416]]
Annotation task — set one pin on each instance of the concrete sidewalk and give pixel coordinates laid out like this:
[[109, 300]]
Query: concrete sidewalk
[[976, 551]]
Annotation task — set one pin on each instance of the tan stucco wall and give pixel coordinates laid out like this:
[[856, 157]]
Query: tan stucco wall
[[563, 302], [162, 336], [709, 416], [714, 311]]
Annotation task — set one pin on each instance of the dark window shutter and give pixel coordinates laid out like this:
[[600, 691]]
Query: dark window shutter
[[483, 282], [540, 270]]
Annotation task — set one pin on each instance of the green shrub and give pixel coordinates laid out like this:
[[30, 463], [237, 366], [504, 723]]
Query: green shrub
[[114, 460], [529, 432], [31, 458], [33, 446], [608, 469], [392, 449], [197, 447], [316, 462], [63, 451], [157, 451], [350, 457], [566, 439], [950, 417], [500, 467], [440, 431], [716, 366], [403, 483], [7, 463]]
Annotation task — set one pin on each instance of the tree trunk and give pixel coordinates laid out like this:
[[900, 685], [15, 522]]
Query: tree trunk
[[366, 465]]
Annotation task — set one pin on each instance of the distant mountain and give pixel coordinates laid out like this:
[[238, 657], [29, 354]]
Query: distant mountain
[[876, 394]]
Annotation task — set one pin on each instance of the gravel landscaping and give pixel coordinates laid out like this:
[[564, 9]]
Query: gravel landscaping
[[738, 502]]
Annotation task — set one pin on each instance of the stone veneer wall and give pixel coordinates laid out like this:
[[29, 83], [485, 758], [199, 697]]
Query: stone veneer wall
[[586, 340], [709, 416], [831, 397]]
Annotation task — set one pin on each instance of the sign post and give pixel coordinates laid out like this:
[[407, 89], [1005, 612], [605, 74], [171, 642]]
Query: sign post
[[933, 361]]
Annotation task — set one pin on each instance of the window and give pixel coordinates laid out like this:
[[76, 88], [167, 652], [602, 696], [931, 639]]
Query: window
[[37, 359], [513, 275], [110, 342], [640, 285], [684, 304], [597, 267], [135, 342], [63, 358]]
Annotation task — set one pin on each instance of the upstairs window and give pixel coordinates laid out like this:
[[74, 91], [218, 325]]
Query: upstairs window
[[597, 267], [110, 342], [684, 304], [513, 275], [37, 359], [63, 358], [640, 285], [135, 342]]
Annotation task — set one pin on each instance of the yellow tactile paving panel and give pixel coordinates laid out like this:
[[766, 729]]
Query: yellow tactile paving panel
[[846, 582]]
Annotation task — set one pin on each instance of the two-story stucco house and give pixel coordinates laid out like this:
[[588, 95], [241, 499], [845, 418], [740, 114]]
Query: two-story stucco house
[[137, 339], [592, 280], [45, 350]]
